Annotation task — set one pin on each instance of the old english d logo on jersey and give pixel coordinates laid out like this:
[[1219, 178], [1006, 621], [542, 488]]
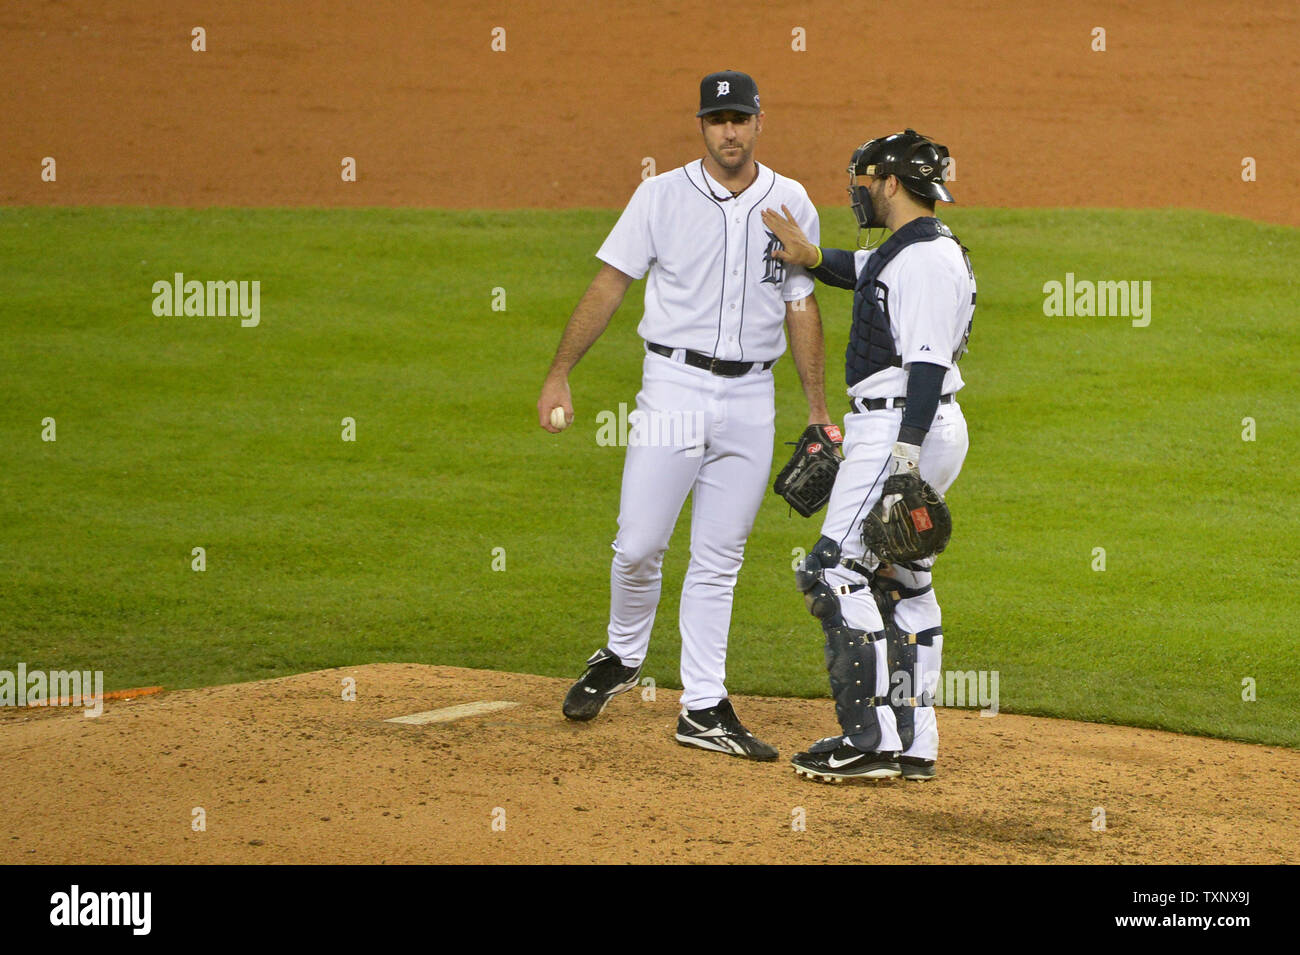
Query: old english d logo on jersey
[[774, 268]]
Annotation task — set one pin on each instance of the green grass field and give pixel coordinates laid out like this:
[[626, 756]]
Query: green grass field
[[180, 432]]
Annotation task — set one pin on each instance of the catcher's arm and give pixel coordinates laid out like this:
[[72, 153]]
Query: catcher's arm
[[924, 384], [830, 266]]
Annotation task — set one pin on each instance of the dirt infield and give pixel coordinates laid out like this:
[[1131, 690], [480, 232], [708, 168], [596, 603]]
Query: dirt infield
[[288, 771], [564, 116]]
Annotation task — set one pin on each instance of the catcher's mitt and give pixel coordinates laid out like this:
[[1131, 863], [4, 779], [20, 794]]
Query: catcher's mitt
[[806, 480], [910, 521]]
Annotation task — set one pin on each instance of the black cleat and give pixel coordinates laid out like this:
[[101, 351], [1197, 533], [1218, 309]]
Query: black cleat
[[825, 764], [719, 729], [916, 769], [606, 678]]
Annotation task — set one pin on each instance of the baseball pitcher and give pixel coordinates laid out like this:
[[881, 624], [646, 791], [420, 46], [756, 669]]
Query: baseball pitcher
[[717, 303]]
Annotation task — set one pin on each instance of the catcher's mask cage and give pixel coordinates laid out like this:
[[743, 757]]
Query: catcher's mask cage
[[916, 160]]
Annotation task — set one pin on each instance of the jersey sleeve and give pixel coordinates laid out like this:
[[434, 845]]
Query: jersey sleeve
[[629, 247], [925, 312], [798, 283], [837, 268]]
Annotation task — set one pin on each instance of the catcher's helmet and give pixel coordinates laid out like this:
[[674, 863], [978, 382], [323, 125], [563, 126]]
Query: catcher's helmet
[[916, 160]]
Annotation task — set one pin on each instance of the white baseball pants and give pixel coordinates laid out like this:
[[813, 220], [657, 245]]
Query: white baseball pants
[[698, 433], [868, 439]]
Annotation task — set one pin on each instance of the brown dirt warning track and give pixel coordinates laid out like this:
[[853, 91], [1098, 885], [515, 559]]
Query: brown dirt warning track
[[288, 771], [583, 92]]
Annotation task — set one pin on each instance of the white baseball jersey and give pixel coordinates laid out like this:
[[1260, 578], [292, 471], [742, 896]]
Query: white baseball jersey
[[929, 297], [714, 286]]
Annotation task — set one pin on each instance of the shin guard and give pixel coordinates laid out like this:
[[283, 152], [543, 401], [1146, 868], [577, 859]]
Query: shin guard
[[851, 664]]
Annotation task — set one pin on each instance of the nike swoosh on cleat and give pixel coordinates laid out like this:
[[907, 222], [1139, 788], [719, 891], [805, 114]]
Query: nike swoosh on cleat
[[834, 763]]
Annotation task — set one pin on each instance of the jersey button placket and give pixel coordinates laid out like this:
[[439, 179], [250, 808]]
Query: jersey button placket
[[731, 295]]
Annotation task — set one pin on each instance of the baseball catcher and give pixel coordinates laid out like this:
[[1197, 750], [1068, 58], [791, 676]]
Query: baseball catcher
[[868, 577]]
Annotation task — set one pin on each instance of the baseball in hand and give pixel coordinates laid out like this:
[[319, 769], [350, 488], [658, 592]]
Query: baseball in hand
[[559, 420]]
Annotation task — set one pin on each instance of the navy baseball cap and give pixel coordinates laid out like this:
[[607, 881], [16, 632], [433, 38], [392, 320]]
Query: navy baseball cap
[[728, 90]]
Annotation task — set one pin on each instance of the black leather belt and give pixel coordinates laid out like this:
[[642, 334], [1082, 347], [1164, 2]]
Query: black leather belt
[[725, 369], [876, 404]]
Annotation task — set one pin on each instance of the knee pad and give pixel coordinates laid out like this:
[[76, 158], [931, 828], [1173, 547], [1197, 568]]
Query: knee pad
[[851, 665], [810, 578], [825, 553]]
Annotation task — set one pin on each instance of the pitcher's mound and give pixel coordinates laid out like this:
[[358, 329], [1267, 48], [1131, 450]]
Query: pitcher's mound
[[289, 771]]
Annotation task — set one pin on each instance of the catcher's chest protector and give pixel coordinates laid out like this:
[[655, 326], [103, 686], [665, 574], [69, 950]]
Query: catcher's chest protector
[[871, 343]]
